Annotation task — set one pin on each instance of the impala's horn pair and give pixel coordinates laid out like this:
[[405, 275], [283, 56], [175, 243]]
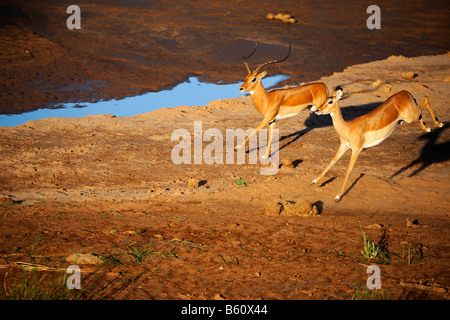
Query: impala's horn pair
[[263, 64]]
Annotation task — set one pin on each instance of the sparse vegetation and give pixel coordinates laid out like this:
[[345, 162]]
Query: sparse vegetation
[[372, 250], [409, 253], [367, 294], [32, 286]]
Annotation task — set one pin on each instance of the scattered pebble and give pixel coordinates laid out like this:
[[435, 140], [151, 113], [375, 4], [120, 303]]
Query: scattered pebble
[[193, 183], [374, 226], [271, 179], [84, 258], [286, 163], [414, 224], [304, 208], [387, 88], [377, 83], [285, 17], [272, 208], [409, 75]]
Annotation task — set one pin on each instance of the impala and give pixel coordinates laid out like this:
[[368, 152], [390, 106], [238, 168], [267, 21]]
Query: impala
[[278, 104], [372, 128]]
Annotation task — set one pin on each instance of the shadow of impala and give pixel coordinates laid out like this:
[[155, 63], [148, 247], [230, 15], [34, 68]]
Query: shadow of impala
[[431, 152]]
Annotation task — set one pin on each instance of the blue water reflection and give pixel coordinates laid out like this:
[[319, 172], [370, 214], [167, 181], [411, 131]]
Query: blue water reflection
[[190, 93]]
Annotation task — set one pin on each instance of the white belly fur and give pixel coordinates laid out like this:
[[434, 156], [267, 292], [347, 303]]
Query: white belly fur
[[377, 142], [286, 116]]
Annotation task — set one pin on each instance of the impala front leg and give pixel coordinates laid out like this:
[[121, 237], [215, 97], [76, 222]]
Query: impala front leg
[[354, 157], [264, 123], [342, 148], [269, 140]]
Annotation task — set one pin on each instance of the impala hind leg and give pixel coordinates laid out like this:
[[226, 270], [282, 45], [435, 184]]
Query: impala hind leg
[[426, 102], [342, 148], [423, 124], [354, 157], [433, 115]]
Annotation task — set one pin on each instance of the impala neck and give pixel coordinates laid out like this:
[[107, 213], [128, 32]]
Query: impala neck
[[340, 125], [259, 97]]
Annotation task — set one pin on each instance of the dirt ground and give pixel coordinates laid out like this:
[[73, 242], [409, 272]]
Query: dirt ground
[[106, 186]]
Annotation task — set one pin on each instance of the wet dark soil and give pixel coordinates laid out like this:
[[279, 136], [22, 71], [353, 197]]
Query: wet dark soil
[[130, 48]]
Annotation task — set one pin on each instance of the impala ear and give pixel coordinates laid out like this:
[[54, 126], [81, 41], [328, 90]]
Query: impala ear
[[263, 74], [338, 93]]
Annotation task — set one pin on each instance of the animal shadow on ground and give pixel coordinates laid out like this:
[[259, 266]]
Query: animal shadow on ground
[[431, 152]]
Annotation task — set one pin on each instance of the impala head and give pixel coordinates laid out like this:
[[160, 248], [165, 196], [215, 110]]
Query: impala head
[[252, 80], [330, 103], [254, 77]]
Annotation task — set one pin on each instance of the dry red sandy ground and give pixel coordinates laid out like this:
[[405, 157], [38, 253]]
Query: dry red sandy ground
[[106, 186]]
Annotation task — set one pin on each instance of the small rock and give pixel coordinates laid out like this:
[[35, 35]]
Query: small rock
[[284, 17], [387, 88], [414, 224], [281, 207], [193, 183], [272, 208], [84, 258], [289, 20], [286, 163], [410, 224], [377, 83], [374, 226], [409, 75], [303, 208]]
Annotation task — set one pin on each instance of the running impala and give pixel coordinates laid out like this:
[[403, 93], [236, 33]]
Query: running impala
[[372, 128], [278, 104]]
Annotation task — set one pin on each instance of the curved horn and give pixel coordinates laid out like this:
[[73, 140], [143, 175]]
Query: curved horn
[[273, 61], [246, 57]]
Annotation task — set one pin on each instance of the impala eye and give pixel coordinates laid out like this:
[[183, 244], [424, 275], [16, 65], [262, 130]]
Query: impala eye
[[330, 102], [254, 80]]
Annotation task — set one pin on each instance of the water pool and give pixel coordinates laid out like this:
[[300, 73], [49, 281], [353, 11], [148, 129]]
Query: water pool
[[190, 93]]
